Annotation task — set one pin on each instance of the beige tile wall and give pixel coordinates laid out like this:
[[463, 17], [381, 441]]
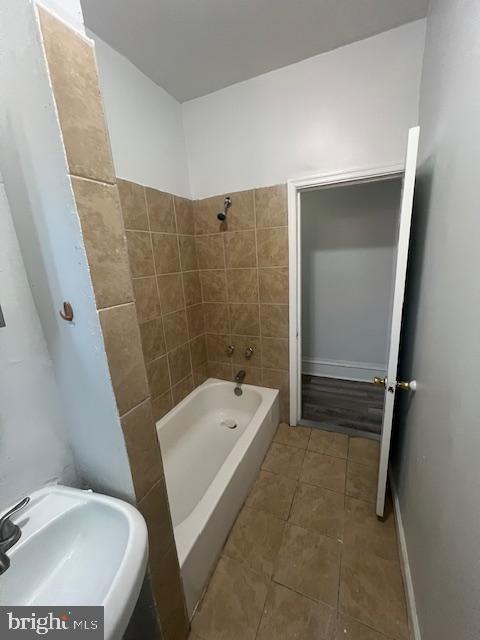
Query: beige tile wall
[[166, 286], [150, 256], [243, 266], [201, 285]]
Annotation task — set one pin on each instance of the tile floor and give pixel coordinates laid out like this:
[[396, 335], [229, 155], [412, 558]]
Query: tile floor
[[307, 559]]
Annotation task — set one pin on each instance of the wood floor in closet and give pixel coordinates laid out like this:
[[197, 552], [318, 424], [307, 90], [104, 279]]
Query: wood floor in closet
[[342, 403]]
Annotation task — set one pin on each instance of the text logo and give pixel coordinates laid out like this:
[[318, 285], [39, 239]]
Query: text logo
[[25, 623]]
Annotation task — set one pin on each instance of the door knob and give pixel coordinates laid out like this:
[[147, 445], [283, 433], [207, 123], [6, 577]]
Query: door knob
[[407, 386], [380, 381]]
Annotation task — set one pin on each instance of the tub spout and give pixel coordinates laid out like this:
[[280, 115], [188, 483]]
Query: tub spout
[[240, 377]]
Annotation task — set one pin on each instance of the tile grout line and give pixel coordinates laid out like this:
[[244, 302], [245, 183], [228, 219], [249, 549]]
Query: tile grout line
[[90, 179], [196, 224], [257, 273], [216, 233], [342, 545], [304, 595], [229, 313], [117, 306], [158, 294], [184, 298], [293, 497], [194, 220], [310, 484], [269, 268]]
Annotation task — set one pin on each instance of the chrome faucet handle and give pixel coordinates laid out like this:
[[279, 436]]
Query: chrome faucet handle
[[249, 352], [230, 350], [9, 532]]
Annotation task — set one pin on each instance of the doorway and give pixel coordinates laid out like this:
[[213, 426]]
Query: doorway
[[389, 381], [348, 236], [343, 231]]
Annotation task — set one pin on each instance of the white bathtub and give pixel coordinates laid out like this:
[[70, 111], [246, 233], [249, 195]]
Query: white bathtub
[[210, 468]]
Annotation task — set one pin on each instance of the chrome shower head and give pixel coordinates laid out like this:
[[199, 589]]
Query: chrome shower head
[[226, 204]]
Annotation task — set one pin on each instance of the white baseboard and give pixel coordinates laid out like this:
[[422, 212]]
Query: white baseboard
[[343, 369], [405, 565]]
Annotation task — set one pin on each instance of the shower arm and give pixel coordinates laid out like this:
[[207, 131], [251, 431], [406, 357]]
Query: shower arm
[[226, 204]]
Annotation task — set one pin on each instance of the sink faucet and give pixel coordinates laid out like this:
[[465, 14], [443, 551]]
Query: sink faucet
[[9, 534]]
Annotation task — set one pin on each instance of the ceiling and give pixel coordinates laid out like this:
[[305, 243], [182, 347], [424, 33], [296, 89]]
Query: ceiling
[[194, 47]]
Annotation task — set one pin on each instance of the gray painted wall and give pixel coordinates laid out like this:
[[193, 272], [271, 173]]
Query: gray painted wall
[[349, 237], [34, 448], [37, 184], [438, 436]]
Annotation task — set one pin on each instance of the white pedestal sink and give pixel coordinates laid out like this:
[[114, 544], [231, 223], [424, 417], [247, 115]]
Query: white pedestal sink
[[78, 548]]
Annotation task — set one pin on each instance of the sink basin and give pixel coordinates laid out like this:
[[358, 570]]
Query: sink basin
[[78, 548]]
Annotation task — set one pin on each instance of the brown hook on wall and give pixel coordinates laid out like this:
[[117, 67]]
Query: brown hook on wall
[[67, 313]]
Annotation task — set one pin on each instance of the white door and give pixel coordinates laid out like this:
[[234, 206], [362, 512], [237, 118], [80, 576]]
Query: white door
[[390, 382]]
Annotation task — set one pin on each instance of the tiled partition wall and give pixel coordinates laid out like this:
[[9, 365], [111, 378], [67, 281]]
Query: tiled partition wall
[[163, 262], [243, 265], [72, 67]]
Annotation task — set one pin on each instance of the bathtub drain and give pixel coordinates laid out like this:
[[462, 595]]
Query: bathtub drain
[[230, 424]]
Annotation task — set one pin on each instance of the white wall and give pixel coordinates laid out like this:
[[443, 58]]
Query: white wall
[[34, 167], [34, 448], [70, 11], [349, 237], [347, 108], [145, 125], [438, 446], [344, 109]]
